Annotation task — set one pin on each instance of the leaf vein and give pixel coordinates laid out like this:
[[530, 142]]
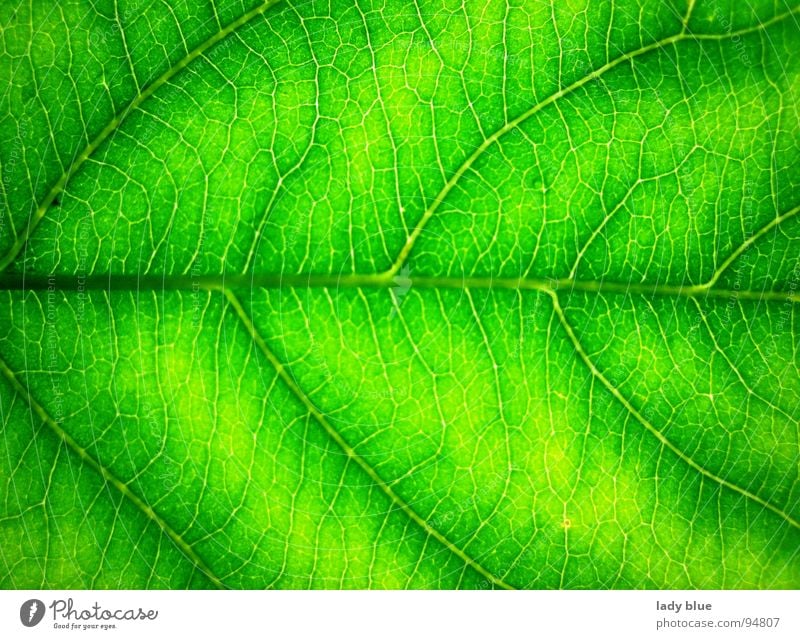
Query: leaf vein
[[177, 539], [348, 450], [114, 124], [598, 374]]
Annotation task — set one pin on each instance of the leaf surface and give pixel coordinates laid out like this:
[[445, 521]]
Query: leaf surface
[[400, 295]]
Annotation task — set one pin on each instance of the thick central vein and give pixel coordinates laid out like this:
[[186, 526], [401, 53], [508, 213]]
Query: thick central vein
[[113, 282]]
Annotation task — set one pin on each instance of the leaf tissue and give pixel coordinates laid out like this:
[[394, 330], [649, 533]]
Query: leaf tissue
[[428, 294]]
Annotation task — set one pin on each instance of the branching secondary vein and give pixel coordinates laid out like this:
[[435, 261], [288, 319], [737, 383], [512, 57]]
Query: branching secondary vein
[[182, 545], [584, 357], [114, 124], [348, 450]]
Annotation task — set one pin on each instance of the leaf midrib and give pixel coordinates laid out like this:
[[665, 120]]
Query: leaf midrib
[[194, 281], [226, 283], [189, 283]]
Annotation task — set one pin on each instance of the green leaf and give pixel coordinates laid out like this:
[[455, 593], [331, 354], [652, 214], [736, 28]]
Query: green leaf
[[400, 295]]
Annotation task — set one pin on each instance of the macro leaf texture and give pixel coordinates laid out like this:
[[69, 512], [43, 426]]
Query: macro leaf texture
[[429, 294]]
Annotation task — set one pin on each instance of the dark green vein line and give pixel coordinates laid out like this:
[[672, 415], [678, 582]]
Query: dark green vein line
[[509, 126], [79, 283], [113, 125], [182, 545], [598, 374], [737, 253], [348, 450]]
